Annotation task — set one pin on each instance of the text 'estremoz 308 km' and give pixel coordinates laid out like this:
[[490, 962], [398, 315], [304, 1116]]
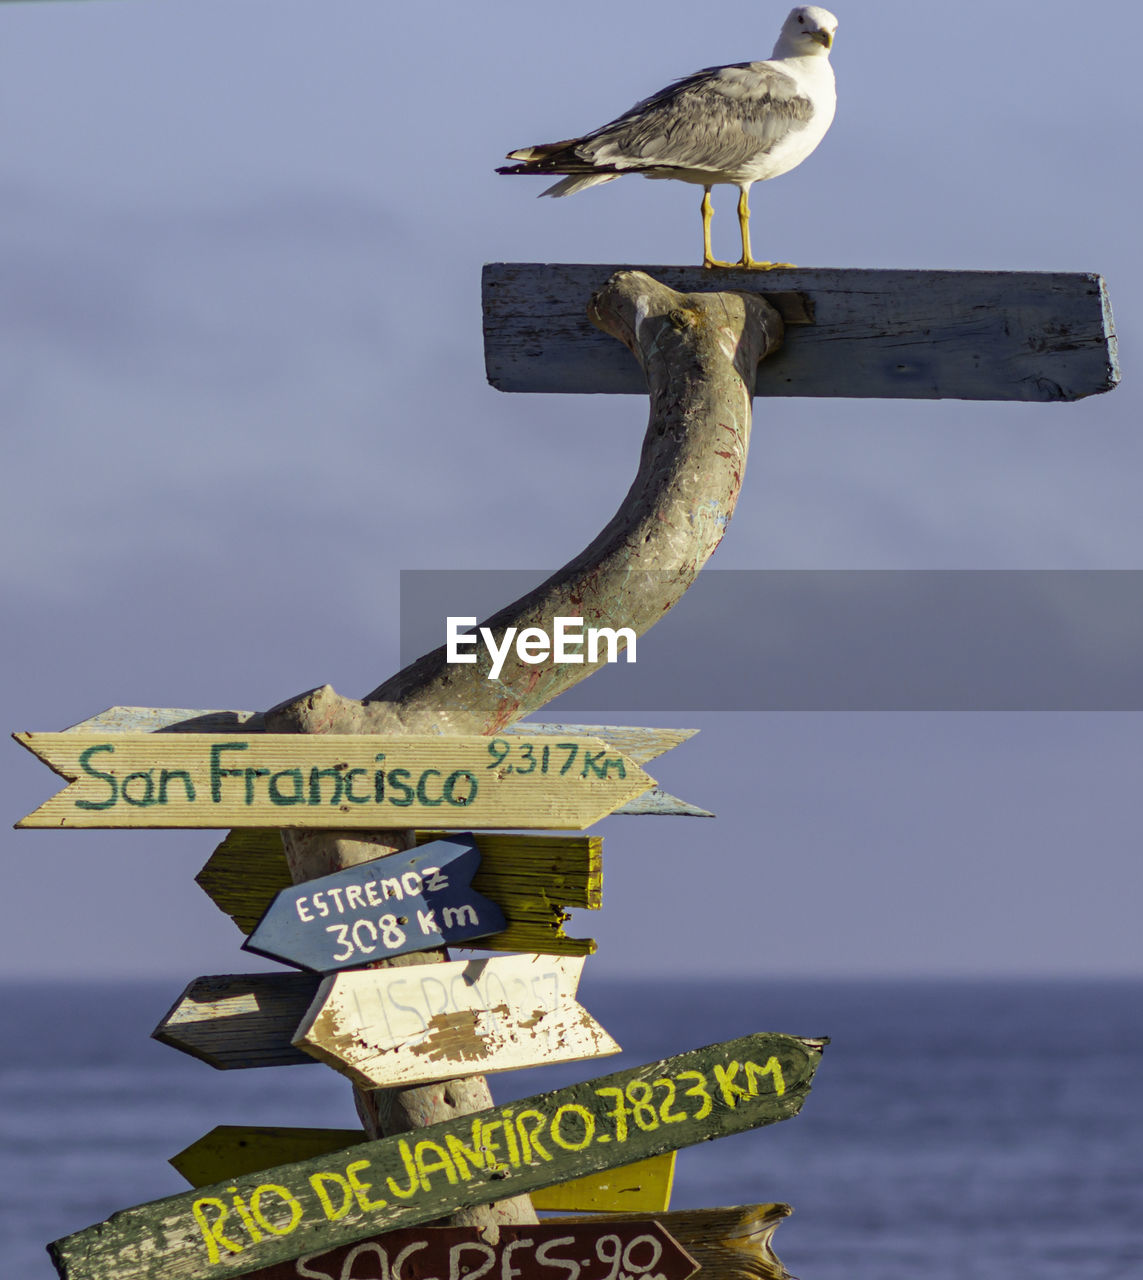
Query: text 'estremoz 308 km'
[[331, 780]]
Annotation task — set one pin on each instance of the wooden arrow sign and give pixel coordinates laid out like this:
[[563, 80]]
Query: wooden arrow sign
[[232, 1228], [534, 879], [639, 743], [588, 1250], [392, 905], [331, 781], [229, 1150], [389, 1027]]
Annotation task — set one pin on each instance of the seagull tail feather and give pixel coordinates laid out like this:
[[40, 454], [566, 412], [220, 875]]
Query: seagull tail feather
[[578, 182]]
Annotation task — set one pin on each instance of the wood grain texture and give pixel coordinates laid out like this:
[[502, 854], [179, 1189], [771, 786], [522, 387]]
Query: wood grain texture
[[587, 1249], [238, 1021], [231, 1151], [334, 781], [730, 1243], [917, 335], [534, 879], [390, 1028], [413, 1179], [637, 743]]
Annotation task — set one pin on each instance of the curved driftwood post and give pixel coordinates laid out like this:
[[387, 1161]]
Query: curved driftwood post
[[700, 353]]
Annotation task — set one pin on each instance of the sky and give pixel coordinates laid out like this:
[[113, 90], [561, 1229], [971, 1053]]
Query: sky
[[243, 389]]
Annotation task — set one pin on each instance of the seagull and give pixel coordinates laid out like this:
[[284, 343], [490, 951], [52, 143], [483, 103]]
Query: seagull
[[738, 124]]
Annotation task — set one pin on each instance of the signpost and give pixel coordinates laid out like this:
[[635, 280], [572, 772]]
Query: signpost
[[534, 879], [330, 781], [590, 1250], [229, 1151], [390, 1027], [407, 902], [279, 1214]]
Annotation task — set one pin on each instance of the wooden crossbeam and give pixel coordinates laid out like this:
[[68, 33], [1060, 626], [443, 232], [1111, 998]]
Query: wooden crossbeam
[[923, 335]]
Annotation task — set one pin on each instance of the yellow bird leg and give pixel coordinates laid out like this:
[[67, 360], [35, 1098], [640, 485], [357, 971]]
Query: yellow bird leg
[[749, 262], [708, 258]]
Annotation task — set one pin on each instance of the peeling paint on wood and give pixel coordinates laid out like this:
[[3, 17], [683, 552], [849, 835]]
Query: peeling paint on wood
[[231, 1151], [392, 1027], [232, 1228]]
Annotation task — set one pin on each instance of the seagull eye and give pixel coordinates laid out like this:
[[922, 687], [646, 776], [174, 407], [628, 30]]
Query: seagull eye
[[800, 18]]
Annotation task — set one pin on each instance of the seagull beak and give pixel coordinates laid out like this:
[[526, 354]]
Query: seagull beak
[[824, 38]]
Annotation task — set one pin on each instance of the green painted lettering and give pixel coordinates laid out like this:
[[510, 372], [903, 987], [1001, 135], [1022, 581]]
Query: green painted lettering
[[349, 787], [276, 794], [217, 772], [591, 761], [250, 775], [316, 776], [470, 789], [167, 776], [422, 792], [399, 781], [108, 778], [148, 796]]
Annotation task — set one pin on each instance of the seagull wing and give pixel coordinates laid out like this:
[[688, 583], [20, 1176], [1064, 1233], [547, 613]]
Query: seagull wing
[[716, 120]]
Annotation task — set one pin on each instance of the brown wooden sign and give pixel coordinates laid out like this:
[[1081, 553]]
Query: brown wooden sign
[[570, 1251], [328, 781], [280, 1214]]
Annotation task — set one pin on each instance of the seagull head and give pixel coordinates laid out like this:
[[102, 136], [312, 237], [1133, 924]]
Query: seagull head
[[807, 33]]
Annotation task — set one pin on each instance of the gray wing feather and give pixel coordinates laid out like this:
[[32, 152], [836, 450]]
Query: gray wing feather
[[716, 119]]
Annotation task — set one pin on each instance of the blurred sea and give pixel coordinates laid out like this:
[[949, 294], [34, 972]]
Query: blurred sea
[[956, 1129]]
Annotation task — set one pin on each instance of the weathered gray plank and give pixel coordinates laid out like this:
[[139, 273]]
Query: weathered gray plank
[[967, 335]]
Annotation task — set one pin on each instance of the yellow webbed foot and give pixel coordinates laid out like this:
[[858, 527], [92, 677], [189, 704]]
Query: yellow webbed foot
[[752, 264]]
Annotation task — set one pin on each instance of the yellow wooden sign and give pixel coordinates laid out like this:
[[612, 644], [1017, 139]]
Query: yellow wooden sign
[[533, 878], [331, 781], [232, 1151]]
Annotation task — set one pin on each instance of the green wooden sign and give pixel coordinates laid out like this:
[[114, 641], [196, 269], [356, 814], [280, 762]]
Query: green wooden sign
[[232, 1228]]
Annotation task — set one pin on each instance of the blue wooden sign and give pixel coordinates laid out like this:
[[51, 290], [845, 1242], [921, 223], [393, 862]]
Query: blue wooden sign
[[403, 902]]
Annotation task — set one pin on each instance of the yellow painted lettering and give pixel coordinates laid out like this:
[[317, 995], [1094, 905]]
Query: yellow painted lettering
[[442, 1161], [287, 1197], [529, 1140], [464, 1156], [490, 1144], [318, 1181], [404, 1193], [244, 1214], [212, 1231], [510, 1138], [773, 1069], [360, 1189], [731, 1092], [586, 1119]]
